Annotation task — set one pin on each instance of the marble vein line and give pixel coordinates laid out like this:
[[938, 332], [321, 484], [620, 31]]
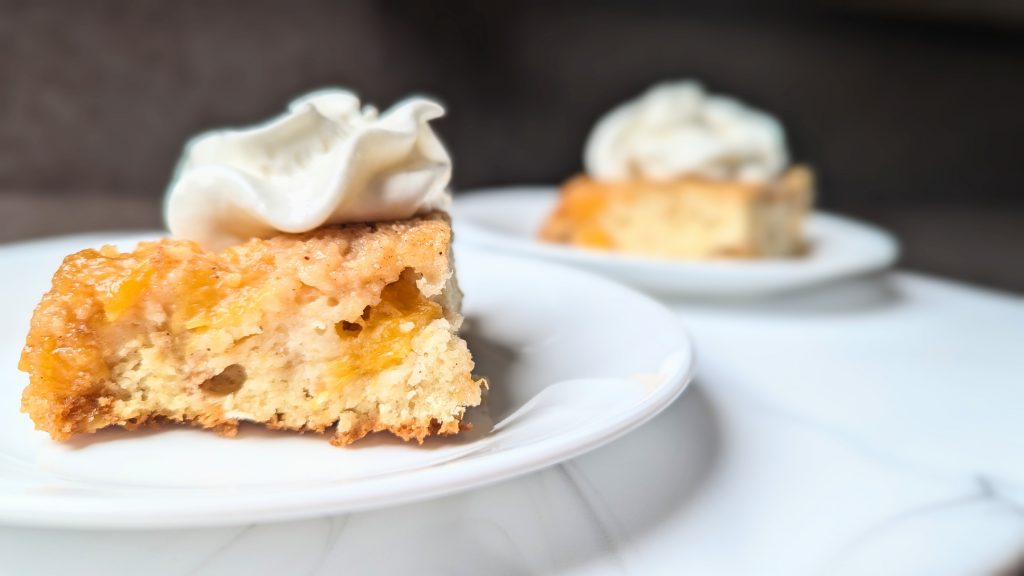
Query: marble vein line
[[237, 536], [984, 492], [848, 438], [512, 548], [515, 553], [336, 526], [988, 490], [597, 509]]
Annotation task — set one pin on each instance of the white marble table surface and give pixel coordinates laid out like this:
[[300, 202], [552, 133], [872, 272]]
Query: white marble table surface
[[872, 427]]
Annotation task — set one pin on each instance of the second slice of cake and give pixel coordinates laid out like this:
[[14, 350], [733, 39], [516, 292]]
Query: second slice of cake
[[679, 173], [688, 218]]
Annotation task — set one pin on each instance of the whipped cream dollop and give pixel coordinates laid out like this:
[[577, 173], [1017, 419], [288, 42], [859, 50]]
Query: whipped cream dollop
[[326, 160], [677, 129]]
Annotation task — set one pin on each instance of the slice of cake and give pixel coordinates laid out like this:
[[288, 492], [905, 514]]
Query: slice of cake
[[678, 173], [351, 327], [688, 218], [308, 285]]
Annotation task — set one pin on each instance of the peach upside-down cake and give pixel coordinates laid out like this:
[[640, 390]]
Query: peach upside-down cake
[[351, 327], [688, 218], [682, 174]]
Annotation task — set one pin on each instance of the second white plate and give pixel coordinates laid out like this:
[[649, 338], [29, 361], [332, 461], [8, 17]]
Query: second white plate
[[507, 219], [574, 362]]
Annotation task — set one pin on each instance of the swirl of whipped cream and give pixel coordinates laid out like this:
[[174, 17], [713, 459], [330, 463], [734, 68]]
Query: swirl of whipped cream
[[327, 160], [676, 129]]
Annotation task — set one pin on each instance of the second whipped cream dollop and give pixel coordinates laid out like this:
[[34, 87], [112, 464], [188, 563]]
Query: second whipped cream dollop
[[327, 160], [676, 130]]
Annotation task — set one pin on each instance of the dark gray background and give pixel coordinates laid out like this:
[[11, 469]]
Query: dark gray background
[[909, 110]]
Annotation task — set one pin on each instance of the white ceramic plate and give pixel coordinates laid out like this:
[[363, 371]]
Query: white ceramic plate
[[574, 361], [507, 219]]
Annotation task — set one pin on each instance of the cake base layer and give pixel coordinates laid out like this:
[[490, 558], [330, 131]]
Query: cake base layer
[[684, 219], [352, 328]]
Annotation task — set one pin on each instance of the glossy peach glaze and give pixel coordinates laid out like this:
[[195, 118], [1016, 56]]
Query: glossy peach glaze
[[98, 290], [382, 336], [101, 289]]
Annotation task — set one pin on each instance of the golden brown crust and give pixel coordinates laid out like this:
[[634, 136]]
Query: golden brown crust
[[114, 325]]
